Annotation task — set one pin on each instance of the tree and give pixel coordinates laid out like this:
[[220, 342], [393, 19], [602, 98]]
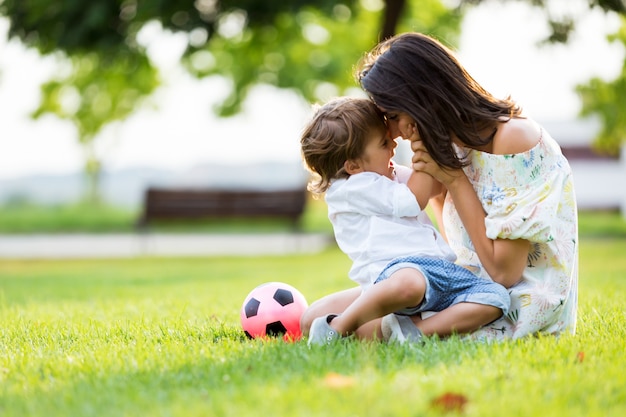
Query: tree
[[282, 43], [99, 90], [307, 45], [307, 51], [603, 99]]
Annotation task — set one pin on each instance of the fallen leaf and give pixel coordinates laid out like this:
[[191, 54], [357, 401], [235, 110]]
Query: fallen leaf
[[450, 401], [580, 356], [335, 380]]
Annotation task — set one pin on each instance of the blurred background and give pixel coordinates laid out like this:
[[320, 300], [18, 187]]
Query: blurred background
[[101, 100]]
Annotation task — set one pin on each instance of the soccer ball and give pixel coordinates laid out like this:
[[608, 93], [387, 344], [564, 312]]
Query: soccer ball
[[273, 309]]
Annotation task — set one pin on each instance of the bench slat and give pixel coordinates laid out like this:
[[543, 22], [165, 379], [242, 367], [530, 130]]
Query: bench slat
[[171, 204]]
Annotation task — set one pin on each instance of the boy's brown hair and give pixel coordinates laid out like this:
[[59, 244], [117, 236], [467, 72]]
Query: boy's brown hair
[[338, 132]]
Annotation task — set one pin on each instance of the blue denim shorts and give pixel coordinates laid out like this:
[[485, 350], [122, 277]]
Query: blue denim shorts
[[447, 284]]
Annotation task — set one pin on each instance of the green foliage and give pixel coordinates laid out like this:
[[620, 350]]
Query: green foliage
[[161, 337], [72, 26], [299, 44], [99, 89], [307, 45], [609, 5], [296, 44], [600, 98], [308, 50], [281, 55], [75, 26], [605, 100]]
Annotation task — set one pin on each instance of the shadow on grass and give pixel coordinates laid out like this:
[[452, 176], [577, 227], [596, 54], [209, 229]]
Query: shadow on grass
[[234, 376]]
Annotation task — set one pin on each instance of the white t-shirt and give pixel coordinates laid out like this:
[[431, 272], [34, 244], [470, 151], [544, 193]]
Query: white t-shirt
[[376, 219]]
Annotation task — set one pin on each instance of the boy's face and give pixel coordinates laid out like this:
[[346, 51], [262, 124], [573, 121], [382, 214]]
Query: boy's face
[[379, 150]]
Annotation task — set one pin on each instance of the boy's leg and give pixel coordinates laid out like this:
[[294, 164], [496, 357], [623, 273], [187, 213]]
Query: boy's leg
[[334, 303], [465, 302], [403, 289]]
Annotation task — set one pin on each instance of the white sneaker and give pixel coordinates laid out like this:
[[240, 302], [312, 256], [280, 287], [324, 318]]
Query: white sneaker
[[321, 333], [400, 329]]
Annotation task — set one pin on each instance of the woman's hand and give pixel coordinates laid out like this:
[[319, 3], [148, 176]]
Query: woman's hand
[[423, 162]]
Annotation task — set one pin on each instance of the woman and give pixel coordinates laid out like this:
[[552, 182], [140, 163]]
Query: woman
[[510, 210]]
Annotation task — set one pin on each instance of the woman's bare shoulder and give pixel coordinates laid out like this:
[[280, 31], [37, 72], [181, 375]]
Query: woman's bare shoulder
[[516, 136]]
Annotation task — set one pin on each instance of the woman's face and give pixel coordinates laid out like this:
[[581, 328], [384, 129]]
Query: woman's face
[[399, 124]]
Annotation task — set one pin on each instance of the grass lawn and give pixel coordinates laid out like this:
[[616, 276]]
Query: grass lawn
[[161, 337], [84, 218]]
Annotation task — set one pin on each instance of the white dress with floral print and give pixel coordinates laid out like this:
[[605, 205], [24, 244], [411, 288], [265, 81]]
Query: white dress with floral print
[[529, 196]]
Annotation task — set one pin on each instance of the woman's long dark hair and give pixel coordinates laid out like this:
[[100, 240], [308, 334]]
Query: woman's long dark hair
[[416, 74]]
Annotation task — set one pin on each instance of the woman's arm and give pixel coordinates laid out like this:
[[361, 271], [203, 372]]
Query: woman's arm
[[503, 259]]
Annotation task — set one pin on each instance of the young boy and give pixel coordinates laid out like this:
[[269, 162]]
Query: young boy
[[402, 264]]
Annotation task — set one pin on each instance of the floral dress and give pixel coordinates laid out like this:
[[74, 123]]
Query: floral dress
[[529, 196]]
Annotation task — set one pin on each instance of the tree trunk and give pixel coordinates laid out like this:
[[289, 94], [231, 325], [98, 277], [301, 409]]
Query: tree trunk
[[391, 17], [92, 175]]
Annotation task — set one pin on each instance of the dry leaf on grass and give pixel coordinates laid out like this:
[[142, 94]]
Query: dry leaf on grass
[[450, 401], [335, 380]]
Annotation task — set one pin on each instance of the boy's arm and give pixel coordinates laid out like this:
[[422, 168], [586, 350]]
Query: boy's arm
[[424, 187]]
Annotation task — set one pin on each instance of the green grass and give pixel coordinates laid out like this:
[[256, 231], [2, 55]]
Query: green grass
[[161, 337], [25, 218], [28, 218], [601, 224]]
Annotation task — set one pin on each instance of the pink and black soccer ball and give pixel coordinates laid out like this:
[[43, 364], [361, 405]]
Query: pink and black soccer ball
[[273, 309]]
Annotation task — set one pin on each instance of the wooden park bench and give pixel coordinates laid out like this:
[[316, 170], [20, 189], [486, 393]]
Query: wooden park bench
[[185, 204]]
